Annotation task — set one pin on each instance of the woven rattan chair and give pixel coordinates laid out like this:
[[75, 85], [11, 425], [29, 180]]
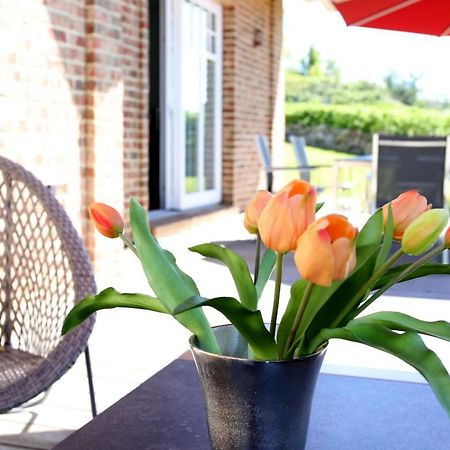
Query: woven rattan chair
[[44, 270]]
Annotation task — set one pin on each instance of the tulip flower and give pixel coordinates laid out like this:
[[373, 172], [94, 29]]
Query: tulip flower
[[424, 231], [254, 210], [287, 215], [327, 250], [405, 209], [106, 219], [447, 238]]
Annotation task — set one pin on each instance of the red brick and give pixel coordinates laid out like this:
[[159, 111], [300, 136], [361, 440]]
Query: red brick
[[86, 90]]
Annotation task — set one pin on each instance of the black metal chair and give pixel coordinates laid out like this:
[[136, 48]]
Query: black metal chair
[[401, 163], [44, 271]]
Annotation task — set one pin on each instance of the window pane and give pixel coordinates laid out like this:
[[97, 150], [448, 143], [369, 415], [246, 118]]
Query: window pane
[[211, 21], [192, 85], [210, 126], [191, 175], [199, 98], [211, 43]]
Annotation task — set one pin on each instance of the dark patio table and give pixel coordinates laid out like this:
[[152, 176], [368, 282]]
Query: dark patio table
[[349, 413]]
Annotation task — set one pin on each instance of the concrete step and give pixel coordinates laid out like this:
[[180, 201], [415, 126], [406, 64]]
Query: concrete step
[[167, 222]]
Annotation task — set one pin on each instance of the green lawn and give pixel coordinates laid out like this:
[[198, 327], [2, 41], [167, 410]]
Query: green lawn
[[356, 177]]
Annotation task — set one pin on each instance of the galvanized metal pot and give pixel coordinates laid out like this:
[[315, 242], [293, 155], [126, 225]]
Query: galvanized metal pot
[[255, 404]]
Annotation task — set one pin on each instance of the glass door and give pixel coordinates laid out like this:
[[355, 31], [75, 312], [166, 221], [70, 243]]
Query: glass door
[[195, 127]]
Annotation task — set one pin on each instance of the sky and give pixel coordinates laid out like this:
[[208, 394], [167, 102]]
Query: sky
[[364, 53]]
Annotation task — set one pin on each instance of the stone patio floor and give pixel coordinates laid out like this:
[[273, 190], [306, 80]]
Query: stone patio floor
[[129, 346]]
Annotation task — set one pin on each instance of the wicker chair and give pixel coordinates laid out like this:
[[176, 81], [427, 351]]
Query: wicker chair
[[44, 270]]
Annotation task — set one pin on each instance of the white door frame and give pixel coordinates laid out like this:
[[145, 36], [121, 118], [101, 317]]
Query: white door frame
[[173, 138]]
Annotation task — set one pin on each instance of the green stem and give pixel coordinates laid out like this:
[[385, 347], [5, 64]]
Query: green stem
[[298, 317], [128, 243], [297, 352], [403, 274], [250, 353], [276, 296], [365, 288], [257, 256]]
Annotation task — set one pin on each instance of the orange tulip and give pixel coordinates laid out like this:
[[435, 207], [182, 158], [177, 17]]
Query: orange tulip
[[447, 238], [254, 210], [106, 219], [405, 209], [287, 215], [327, 250]]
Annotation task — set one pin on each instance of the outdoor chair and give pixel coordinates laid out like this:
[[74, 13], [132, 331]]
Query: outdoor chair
[[44, 271], [299, 144], [302, 161], [402, 163]]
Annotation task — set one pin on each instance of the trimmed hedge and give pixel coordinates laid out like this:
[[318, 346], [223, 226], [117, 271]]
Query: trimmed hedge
[[388, 119]]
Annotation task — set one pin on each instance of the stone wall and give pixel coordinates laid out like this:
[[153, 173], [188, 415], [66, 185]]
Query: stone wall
[[345, 140]]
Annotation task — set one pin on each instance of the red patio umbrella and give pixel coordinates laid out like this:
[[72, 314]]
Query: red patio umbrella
[[417, 16]]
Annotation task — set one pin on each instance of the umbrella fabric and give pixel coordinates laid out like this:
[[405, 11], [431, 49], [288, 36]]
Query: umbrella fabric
[[417, 16]]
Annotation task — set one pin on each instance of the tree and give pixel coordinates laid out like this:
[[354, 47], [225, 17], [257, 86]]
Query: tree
[[403, 90], [332, 70], [311, 65]]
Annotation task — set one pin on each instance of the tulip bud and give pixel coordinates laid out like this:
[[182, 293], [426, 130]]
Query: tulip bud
[[106, 219], [327, 250], [254, 210], [424, 231], [405, 209], [287, 215]]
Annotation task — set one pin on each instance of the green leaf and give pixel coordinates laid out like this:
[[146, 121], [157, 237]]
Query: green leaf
[[407, 346], [327, 303], [170, 284], [422, 271], [287, 321], [265, 270], [372, 232], [238, 268], [249, 323], [187, 279], [340, 300], [387, 239], [108, 298], [402, 322], [329, 307], [319, 206]]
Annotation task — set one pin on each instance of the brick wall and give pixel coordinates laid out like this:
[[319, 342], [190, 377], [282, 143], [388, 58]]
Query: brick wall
[[116, 119], [277, 85], [42, 92], [73, 110], [253, 92], [135, 112], [74, 98]]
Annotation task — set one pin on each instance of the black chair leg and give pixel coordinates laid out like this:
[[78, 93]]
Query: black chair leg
[[269, 181], [91, 382]]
